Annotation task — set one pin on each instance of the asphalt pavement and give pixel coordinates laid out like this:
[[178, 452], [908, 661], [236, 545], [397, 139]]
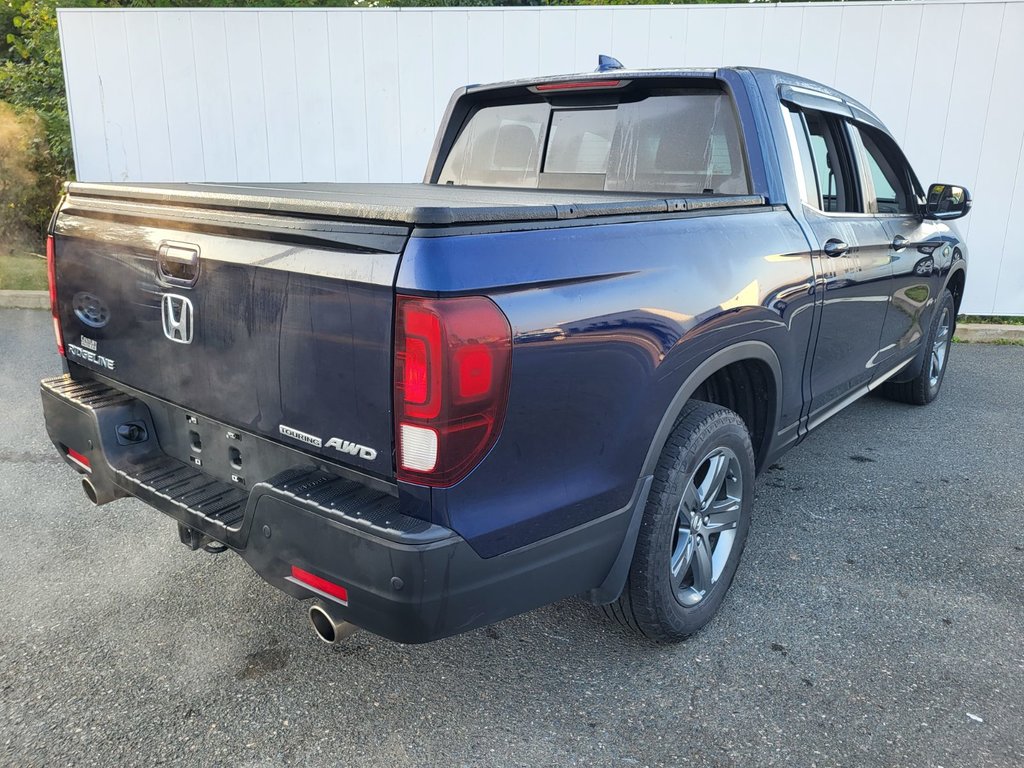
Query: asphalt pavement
[[877, 620]]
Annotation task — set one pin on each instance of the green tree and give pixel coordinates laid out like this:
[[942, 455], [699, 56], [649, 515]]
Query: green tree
[[32, 79]]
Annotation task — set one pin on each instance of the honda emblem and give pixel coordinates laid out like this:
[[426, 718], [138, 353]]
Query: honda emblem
[[177, 316]]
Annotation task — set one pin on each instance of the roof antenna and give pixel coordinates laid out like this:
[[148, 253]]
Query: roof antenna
[[607, 63]]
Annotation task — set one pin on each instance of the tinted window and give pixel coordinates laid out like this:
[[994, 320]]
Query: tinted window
[[687, 142], [832, 174], [811, 194], [886, 175], [580, 140], [501, 146]]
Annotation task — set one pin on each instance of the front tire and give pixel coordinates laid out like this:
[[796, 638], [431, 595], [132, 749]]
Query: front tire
[[694, 526], [924, 387]]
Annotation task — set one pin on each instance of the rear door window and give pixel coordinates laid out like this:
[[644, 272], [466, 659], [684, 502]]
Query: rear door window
[[888, 180], [829, 183], [681, 142]]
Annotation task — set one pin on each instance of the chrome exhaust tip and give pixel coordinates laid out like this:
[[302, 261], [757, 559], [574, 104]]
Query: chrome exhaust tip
[[90, 491], [99, 497], [327, 625]]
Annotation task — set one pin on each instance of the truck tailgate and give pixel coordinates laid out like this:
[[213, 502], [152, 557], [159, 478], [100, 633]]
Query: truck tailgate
[[278, 324]]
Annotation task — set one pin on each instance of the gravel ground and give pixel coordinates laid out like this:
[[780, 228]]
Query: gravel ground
[[876, 620]]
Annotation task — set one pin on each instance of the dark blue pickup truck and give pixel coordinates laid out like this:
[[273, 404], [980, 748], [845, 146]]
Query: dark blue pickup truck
[[554, 368]]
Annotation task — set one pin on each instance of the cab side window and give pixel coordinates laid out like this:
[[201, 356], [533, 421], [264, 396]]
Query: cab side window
[[829, 180], [808, 179], [888, 182]]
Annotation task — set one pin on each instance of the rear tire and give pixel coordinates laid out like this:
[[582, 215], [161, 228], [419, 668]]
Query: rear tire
[[924, 387], [694, 526]]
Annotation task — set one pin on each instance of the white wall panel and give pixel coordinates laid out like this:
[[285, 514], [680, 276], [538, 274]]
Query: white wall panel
[[893, 80], [1008, 279], [384, 148], [667, 36], [451, 57], [593, 37], [248, 105], [415, 91], [313, 89], [557, 42], [631, 35], [118, 114], [932, 84], [520, 43], [705, 39], [181, 95], [780, 40], [486, 46], [355, 95], [281, 95], [857, 49], [819, 43], [999, 286], [348, 92], [970, 90], [85, 98], [744, 29], [213, 89]]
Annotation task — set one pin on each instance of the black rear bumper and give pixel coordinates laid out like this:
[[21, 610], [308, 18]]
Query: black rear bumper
[[406, 579]]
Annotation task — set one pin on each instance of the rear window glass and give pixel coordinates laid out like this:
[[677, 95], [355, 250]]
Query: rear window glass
[[686, 142]]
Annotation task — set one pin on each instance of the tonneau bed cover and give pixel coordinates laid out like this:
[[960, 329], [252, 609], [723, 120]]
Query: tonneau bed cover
[[415, 204]]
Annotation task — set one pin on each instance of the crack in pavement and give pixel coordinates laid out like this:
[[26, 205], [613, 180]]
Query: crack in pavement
[[25, 457]]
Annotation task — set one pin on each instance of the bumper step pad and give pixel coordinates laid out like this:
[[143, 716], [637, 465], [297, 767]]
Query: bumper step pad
[[355, 505], [197, 499], [174, 481]]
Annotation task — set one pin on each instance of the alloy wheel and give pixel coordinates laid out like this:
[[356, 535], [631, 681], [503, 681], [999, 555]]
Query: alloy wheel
[[940, 349], [705, 528]]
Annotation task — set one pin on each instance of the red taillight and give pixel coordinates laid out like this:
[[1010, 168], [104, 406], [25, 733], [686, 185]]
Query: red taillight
[[453, 358], [474, 371], [416, 370], [577, 84], [421, 361], [319, 584], [51, 277]]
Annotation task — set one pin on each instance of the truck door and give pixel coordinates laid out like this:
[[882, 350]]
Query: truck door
[[919, 249], [854, 275]]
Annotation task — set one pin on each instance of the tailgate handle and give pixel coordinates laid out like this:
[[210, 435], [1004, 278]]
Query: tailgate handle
[[179, 263]]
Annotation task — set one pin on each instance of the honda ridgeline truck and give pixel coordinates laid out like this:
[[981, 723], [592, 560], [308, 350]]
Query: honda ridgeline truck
[[554, 368]]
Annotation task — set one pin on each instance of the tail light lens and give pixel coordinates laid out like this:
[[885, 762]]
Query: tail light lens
[[51, 277], [453, 358]]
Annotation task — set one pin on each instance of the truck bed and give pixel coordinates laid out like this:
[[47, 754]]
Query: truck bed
[[411, 204]]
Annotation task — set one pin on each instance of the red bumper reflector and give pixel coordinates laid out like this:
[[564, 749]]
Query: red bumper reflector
[[79, 459], [323, 585]]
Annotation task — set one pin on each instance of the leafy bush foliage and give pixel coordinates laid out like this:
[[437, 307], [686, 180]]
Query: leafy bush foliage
[[27, 184]]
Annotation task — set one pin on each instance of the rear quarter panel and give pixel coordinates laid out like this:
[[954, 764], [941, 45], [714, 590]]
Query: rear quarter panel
[[608, 322]]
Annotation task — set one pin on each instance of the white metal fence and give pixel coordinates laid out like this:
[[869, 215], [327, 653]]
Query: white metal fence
[[355, 95]]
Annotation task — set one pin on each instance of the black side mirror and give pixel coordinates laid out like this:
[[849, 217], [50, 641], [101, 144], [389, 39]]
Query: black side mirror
[[947, 201]]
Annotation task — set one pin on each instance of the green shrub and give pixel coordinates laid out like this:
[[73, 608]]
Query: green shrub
[[27, 190]]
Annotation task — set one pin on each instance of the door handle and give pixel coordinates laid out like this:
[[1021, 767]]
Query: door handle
[[178, 263], [899, 243], [835, 247]]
